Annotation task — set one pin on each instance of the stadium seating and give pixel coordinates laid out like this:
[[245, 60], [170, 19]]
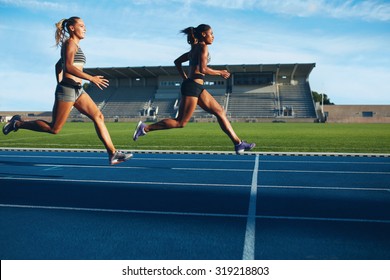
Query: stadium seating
[[243, 102], [298, 98], [165, 101], [254, 92], [252, 102], [129, 102]]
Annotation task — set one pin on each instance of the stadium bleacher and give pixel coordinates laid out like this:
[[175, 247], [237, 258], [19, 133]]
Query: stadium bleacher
[[253, 102], [165, 102], [262, 91], [299, 99], [129, 102], [254, 93]]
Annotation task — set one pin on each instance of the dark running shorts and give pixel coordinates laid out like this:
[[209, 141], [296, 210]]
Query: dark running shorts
[[191, 88]]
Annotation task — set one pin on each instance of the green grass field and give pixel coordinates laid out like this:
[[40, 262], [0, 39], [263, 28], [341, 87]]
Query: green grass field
[[269, 137]]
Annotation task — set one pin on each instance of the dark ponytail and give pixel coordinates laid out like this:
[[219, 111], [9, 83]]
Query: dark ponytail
[[194, 34]]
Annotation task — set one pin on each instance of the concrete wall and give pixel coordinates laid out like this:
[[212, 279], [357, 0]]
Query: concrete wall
[[357, 113]]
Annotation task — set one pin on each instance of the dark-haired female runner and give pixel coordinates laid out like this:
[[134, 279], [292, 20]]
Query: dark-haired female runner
[[193, 92]]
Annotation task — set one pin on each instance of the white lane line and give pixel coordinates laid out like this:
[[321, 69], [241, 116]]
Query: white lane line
[[203, 169], [322, 162], [335, 188], [249, 242], [41, 207], [122, 182], [212, 169], [325, 171], [284, 171], [90, 166], [208, 169], [133, 159], [52, 168], [329, 219], [154, 158], [268, 217]]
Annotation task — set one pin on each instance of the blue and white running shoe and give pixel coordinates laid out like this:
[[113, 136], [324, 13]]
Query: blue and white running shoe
[[139, 131], [244, 146]]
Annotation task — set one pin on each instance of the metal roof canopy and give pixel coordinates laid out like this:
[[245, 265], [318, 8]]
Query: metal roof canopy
[[289, 70]]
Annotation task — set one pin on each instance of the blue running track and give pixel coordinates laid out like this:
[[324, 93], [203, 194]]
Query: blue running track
[[72, 205]]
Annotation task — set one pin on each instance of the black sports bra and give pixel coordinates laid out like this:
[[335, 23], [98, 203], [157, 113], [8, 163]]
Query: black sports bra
[[197, 76], [194, 60]]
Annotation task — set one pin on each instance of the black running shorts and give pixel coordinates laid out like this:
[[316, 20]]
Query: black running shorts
[[191, 88]]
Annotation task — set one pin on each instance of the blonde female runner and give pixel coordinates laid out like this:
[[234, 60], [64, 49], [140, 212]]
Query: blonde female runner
[[69, 91]]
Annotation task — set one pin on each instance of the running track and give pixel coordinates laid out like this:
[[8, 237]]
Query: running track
[[165, 205]]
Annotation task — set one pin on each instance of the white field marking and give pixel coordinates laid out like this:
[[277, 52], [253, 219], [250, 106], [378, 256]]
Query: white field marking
[[284, 171], [134, 158], [201, 169], [269, 217], [134, 167], [354, 220], [211, 169], [326, 171], [198, 169], [90, 166], [267, 161], [336, 188], [189, 159], [324, 188], [53, 168], [123, 211], [327, 162], [249, 242], [121, 182], [179, 159]]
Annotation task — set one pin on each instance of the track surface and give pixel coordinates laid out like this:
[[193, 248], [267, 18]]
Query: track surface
[[72, 205]]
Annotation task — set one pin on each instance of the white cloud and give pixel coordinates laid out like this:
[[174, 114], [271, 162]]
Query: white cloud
[[368, 10], [34, 4], [146, 33], [121, 52]]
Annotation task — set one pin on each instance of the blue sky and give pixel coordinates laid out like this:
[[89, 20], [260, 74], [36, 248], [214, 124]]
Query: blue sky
[[348, 40]]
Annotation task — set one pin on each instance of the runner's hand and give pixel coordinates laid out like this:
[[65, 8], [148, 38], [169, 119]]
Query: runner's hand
[[100, 82], [225, 74]]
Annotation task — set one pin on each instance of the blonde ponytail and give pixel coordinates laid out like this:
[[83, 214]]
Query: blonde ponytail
[[62, 27], [60, 35]]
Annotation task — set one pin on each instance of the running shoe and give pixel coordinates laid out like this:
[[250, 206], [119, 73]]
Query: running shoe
[[244, 146], [139, 131], [119, 157], [11, 125]]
